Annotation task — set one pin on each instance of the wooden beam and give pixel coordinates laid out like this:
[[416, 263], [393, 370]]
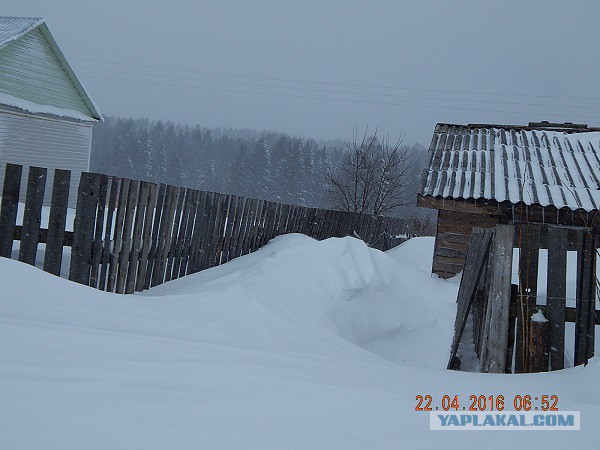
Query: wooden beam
[[467, 206]]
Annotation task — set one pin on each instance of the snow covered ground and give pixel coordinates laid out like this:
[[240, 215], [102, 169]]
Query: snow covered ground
[[303, 344]]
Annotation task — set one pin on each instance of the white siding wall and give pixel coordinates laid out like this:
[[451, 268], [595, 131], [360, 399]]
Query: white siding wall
[[31, 71], [37, 141]]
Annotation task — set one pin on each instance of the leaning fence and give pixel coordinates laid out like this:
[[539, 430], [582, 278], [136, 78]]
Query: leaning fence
[[129, 235]]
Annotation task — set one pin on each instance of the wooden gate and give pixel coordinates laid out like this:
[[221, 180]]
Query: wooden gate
[[519, 326]]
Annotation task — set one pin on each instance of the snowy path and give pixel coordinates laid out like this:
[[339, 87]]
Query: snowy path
[[268, 351]]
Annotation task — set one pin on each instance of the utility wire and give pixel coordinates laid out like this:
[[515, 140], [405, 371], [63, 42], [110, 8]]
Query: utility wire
[[331, 83], [372, 102], [295, 88]]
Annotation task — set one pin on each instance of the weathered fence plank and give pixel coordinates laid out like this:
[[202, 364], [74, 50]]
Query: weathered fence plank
[[32, 217], [10, 205], [529, 241], [97, 247], [585, 298], [557, 293], [175, 234], [118, 235], [108, 230], [83, 229], [156, 229], [136, 244], [476, 256], [57, 221], [149, 217], [495, 335]]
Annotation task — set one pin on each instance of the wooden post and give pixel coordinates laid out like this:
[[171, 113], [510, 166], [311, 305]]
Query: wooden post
[[83, 232], [151, 215], [585, 301], [106, 244], [97, 249], [495, 337], [539, 343], [528, 268], [10, 204], [557, 293], [32, 218], [57, 221], [476, 256]]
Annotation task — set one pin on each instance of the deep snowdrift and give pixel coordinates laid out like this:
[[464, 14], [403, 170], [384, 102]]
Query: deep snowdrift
[[279, 349]]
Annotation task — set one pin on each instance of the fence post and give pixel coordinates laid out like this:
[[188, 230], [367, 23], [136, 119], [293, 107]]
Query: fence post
[[10, 204], [83, 230], [539, 328], [57, 221]]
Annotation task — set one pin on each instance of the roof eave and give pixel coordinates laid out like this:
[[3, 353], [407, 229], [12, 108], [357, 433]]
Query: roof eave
[[95, 113]]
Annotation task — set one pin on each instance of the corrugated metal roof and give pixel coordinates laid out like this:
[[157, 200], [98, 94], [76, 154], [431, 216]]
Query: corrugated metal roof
[[21, 29], [543, 166]]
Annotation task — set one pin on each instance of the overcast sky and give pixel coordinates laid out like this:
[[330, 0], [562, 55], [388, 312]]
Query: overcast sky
[[321, 68]]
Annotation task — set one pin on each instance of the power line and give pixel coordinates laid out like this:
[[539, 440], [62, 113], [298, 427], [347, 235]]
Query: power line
[[373, 102], [295, 88], [332, 83]]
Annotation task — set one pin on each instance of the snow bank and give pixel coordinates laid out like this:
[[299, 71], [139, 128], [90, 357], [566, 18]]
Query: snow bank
[[258, 353]]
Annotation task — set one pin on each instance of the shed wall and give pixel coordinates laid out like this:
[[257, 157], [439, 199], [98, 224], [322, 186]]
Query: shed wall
[[452, 239], [32, 140]]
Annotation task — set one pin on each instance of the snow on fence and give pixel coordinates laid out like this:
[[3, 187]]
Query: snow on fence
[[130, 235], [520, 311]]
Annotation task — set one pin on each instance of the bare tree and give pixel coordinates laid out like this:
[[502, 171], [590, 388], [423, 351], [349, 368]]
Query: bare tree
[[371, 175]]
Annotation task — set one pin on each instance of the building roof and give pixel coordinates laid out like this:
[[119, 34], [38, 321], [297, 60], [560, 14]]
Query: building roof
[[13, 29], [542, 163]]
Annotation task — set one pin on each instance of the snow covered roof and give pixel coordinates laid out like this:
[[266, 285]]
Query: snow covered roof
[[14, 29], [543, 164]]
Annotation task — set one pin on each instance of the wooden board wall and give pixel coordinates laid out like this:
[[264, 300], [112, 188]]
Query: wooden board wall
[[452, 239]]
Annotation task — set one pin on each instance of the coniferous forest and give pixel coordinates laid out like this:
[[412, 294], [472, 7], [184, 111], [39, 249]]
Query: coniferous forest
[[268, 165]]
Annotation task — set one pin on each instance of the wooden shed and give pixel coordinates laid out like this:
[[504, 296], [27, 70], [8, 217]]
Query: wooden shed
[[46, 116], [482, 175]]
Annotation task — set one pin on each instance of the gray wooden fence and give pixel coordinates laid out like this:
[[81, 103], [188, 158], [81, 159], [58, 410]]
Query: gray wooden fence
[[130, 235], [505, 336]]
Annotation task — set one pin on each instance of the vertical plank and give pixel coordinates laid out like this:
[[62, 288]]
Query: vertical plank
[[136, 240], [585, 298], [196, 249], [10, 205], [97, 247], [229, 228], [189, 230], [118, 235], [164, 237], [174, 238], [207, 236], [219, 230], [495, 336], [83, 228], [529, 240], [250, 224], [476, 257], [108, 230], [32, 218], [182, 233], [150, 216], [156, 228], [239, 222], [57, 221], [557, 294]]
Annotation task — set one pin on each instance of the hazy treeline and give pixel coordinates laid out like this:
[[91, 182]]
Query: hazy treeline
[[272, 166], [267, 165]]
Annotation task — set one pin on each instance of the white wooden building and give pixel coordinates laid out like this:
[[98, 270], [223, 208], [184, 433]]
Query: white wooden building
[[46, 116]]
